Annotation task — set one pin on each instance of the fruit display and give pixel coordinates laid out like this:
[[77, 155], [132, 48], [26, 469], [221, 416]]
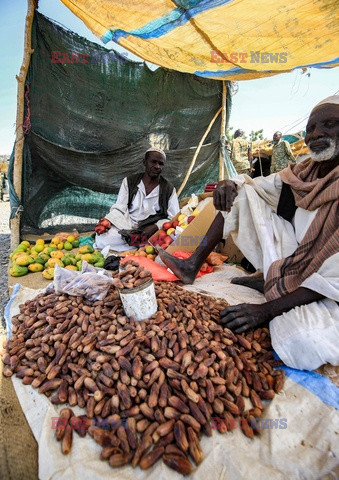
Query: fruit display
[[171, 230], [102, 226], [164, 237], [146, 251], [43, 257], [65, 237], [146, 390], [184, 220]]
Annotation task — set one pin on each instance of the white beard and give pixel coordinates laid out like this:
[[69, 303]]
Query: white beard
[[327, 154]]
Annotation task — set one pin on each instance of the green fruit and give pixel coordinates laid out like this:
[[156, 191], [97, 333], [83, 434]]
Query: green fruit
[[66, 260], [72, 261], [24, 260], [79, 265], [39, 260], [35, 267], [75, 244], [51, 249], [44, 257], [88, 257], [97, 257], [78, 257], [20, 248], [86, 249], [100, 263], [68, 246], [18, 271], [48, 274], [38, 247]]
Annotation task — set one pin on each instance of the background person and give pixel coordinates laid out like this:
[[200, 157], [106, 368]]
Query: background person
[[282, 155], [240, 152]]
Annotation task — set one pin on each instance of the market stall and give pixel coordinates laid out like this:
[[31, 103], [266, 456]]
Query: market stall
[[107, 395]]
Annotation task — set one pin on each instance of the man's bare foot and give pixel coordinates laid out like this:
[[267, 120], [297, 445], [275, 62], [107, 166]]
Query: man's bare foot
[[183, 269], [250, 282]]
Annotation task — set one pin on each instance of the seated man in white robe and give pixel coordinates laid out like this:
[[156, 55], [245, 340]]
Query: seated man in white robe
[[145, 201], [287, 226]]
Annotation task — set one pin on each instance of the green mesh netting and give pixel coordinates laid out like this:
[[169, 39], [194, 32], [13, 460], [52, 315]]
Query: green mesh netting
[[92, 122]]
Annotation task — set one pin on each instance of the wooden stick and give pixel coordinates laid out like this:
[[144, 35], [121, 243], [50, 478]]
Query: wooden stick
[[196, 153], [260, 164], [222, 131], [19, 138]]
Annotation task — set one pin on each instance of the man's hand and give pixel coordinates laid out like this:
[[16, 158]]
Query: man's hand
[[103, 226], [224, 195], [246, 315], [240, 318], [149, 230]]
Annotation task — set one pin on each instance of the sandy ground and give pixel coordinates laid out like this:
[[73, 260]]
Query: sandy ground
[[4, 253]]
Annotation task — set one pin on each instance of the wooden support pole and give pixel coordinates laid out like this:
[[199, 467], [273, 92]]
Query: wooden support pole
[[19, 137], [222, 131], [196, 153]]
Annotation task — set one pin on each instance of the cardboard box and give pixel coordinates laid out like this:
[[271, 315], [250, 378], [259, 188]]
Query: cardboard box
[[201, 196], [228, 247], [194, 233]]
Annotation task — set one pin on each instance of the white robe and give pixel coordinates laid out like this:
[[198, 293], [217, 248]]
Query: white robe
[[307, 336], [126, 218]]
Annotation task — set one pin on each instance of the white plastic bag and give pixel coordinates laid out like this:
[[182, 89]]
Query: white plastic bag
[[91, 283], [190, 206]]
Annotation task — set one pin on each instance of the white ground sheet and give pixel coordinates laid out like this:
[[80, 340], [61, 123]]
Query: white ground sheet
[[308, 448]]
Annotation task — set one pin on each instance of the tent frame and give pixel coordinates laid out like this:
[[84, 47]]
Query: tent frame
[[19, 133], [20, 139]]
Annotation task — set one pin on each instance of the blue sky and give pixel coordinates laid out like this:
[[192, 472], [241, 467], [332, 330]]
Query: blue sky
[[275, 103]]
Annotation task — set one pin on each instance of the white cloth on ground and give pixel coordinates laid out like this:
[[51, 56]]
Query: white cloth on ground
[[141, 208], [264, 237], [307, 448], [307, 336]]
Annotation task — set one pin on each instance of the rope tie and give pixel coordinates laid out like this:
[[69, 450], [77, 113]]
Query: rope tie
[[26, 127]]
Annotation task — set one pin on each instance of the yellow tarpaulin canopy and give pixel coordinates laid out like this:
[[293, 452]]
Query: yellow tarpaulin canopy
[[265, 147], [221, 39]]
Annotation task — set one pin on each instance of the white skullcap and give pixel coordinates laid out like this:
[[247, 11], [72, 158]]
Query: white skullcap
[[332, 100], [158, 150]]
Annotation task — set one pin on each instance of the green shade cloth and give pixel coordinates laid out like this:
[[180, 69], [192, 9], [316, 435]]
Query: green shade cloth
[[91, 124]]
